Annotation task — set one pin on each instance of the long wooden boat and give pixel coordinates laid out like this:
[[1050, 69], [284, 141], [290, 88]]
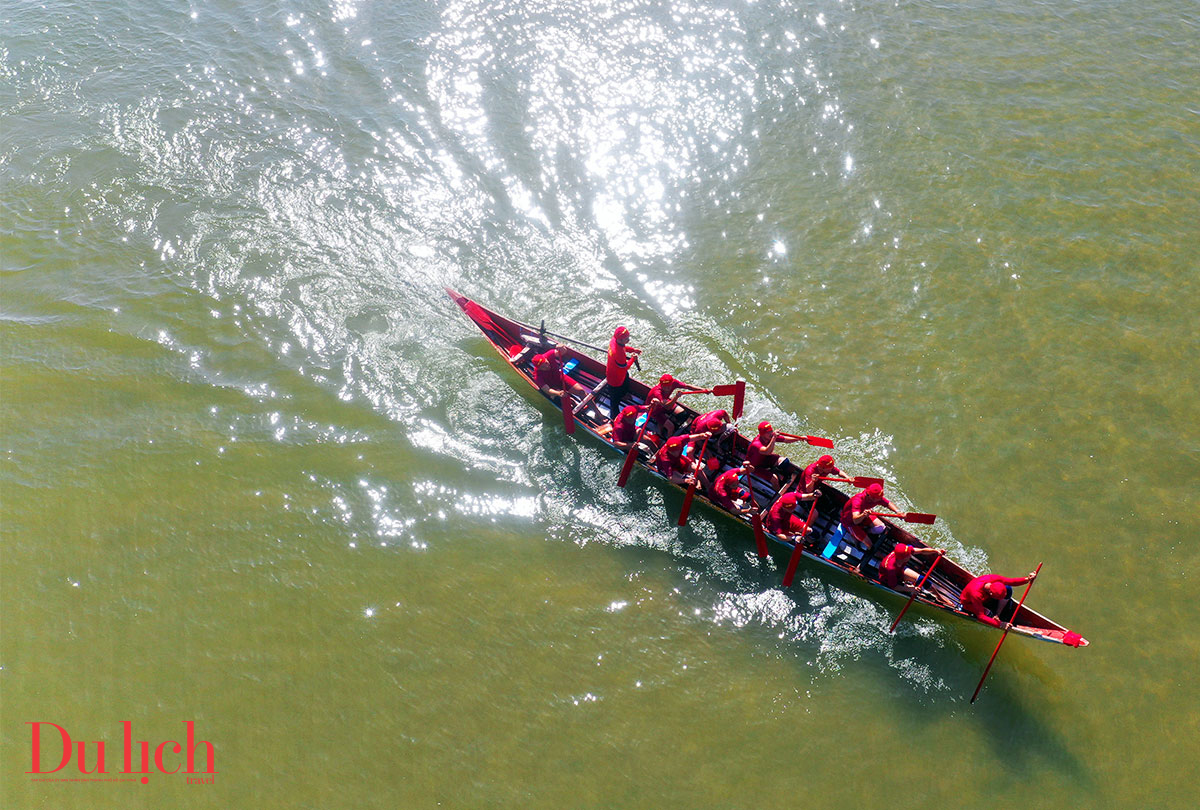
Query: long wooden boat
[[518, 342]]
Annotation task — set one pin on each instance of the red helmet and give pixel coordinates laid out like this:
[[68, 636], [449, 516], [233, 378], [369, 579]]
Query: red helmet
[[621, 333], [997, 589], [765, 427], [629, 410], [789, 501], [875, 490], [825, 461], [903, 550], [667, 379]]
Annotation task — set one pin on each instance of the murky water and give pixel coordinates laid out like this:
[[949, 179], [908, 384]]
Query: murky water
[[260, 474]]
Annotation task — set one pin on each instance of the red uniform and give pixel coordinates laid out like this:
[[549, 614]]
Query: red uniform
[[857, 503], [547, 369], [666, 462], [757, 453], [812, 470], [780, 521], [713, 420], [617, 368], [892, 568], [975, 597], [663, 392], [625, 427], [727, 488]]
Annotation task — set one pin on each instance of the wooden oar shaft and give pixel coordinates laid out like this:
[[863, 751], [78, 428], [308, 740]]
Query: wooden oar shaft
[[916, 591], [1007, 627], [572, 340]]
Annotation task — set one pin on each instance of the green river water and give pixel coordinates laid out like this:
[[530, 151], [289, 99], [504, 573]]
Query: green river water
[[258, 473]]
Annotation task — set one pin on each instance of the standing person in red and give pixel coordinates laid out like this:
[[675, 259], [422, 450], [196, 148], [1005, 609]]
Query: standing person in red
[[763, 458], [813, 473], [782, 521], [672, 463], [616, 371], [893, 571], [858, 520], [548, 373], [988, 596], [728, 492]]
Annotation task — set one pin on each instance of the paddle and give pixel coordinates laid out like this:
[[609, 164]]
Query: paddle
[[567, 409], [631, 456], [860, 481], [691, 491], [543, 331], [737, 390], [1007, 627], [911, 517], [815, 441], [916, 590], [760, 536], [798, 550]]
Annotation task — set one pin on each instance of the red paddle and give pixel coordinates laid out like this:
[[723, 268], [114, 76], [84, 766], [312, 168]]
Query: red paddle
[[798, 551], [1007, 627], [691, 491], [815, 441], [737, 390], [860, 481], [631, 456], [916, 590], [567, 408], [911, 517]]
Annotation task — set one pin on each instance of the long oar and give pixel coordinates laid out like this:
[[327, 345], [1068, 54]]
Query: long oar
[[860, 481], [689, 393], [631, 456], [815, 441], [916, 590], [691, 490], [1007, 627], [798, 551], [543, 331], [911, 517], [760, 535], [567, 408]]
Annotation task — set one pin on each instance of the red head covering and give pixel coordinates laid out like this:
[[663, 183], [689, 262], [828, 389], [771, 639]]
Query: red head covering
[[621, 333], [629, 410], [875, 490], [825, 461], [667, 379], [676, 442], [765, 427], [713, 463], [903, 551], [789, 501], [998, 590]]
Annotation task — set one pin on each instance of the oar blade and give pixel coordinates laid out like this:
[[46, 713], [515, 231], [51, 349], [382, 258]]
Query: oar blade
[[724, 390], [920, 517], [627, 467], [739, 398], [760, 535], [817, 441], [687, 504], [862, 481]]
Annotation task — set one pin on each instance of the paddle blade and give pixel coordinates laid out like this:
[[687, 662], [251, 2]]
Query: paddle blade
[[919, 517], [568, 412], [630, 457], [739, 399], [724, 390], [760, 536], [862, 481], [793, 563], [687, 504], [817, 441]]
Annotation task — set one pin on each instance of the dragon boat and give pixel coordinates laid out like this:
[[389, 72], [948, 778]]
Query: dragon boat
[[825, 543]]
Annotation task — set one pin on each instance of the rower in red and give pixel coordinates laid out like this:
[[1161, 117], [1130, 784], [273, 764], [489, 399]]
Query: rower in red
[[717, 425], [672, 463], [813, 473], [548, 373], [728, 492], [623, 431], [782, 520], [616, 371], [761, 454], [988, 597], [894, 571], [663, 399], [858, 521]]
